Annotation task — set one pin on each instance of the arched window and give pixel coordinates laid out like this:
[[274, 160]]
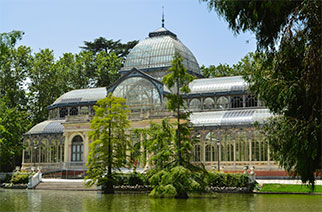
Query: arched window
[[77, 149], [43, 151], [195, 105], [208, 153], [236, 101], [140, 94], [53, 152], [84, 110], [209, 103], [213, 153], [27, 152], [255, 151], [211, 138], [222, 102], [73, 111], [251, 101], [197, 154], [60, 153], [63, 112]]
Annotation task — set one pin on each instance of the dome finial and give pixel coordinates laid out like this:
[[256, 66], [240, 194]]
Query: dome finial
[[162, 16]]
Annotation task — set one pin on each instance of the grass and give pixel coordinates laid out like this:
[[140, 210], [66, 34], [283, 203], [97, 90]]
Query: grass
[[290, 188]]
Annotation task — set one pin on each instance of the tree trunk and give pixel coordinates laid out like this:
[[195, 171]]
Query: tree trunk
[[178, 127], [108, 186], [182, 195]]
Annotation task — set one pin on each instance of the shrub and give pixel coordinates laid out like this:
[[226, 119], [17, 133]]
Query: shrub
[[176, 182], [20, 178], [228, 180], [120, 179], [136, 179], [6, 179]]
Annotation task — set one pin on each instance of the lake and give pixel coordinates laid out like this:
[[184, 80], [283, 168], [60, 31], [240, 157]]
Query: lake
[[47, 201]]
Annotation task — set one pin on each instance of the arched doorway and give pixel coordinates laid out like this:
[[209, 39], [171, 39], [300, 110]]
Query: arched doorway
[[77, 149]]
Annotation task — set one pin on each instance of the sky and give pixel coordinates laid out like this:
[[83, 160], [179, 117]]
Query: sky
[[64, 25]]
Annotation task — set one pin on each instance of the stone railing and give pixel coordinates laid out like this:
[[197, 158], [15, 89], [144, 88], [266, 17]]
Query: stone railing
[[78, 118], [34, 180]]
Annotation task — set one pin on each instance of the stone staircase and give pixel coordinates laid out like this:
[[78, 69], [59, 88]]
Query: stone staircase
[[63, 184]]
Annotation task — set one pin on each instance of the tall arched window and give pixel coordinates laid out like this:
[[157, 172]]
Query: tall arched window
[[208, 153], [209, 103], [195, 105], [28, 152], [63, 112], [197, 154], [222, 102], [251, 101], [77, 149], [73, 111], [236, 101], [141, 94]]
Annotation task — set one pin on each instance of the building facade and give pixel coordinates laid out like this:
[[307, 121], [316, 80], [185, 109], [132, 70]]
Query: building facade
[[224, 114]]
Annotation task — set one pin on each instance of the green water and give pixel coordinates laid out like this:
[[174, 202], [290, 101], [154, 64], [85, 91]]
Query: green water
[[47, 201]]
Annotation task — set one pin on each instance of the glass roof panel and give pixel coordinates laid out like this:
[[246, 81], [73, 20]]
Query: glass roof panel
[[219, 84], [47, 127], [230, 118], [82, 95], [140, 93], [152, 52]]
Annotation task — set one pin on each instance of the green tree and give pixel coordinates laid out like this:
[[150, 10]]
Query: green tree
[[102, 44], [14, 65], [107, 66], [222, 70], [108, 149], [81, 76], [178, 79], [287, 77], [160, 144], [46, 84], [174, 175], [13, 123]]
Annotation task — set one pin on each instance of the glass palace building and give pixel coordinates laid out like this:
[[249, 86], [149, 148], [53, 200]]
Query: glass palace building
[[224, 114]]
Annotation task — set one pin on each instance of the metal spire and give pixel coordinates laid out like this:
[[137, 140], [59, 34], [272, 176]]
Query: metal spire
[[162, 16]]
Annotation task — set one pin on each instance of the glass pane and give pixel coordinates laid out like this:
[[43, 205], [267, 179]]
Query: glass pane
[[140, 94]]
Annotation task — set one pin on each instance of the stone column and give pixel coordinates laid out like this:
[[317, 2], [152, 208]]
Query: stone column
[[250, 138]]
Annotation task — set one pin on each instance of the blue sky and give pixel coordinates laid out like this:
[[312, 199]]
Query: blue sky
[[63, 25]]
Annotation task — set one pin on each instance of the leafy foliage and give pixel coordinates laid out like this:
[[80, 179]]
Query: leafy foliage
[[14, 64], [160, 144], [20, 177], [108, 46], [228, 180], [178, 79], [108, 149], [287, 78], [175, 183], [106, 68], [174, 175], [30, 82], [13, 123], [256, 16], [222, 70]]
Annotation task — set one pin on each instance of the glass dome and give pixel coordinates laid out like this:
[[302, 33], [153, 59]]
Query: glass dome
[[140, 94], [157, 51]]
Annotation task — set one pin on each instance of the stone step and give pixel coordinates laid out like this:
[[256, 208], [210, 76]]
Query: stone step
[[73, 186]]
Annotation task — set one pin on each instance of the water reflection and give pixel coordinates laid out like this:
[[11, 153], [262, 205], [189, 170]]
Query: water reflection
[[47, 201]]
